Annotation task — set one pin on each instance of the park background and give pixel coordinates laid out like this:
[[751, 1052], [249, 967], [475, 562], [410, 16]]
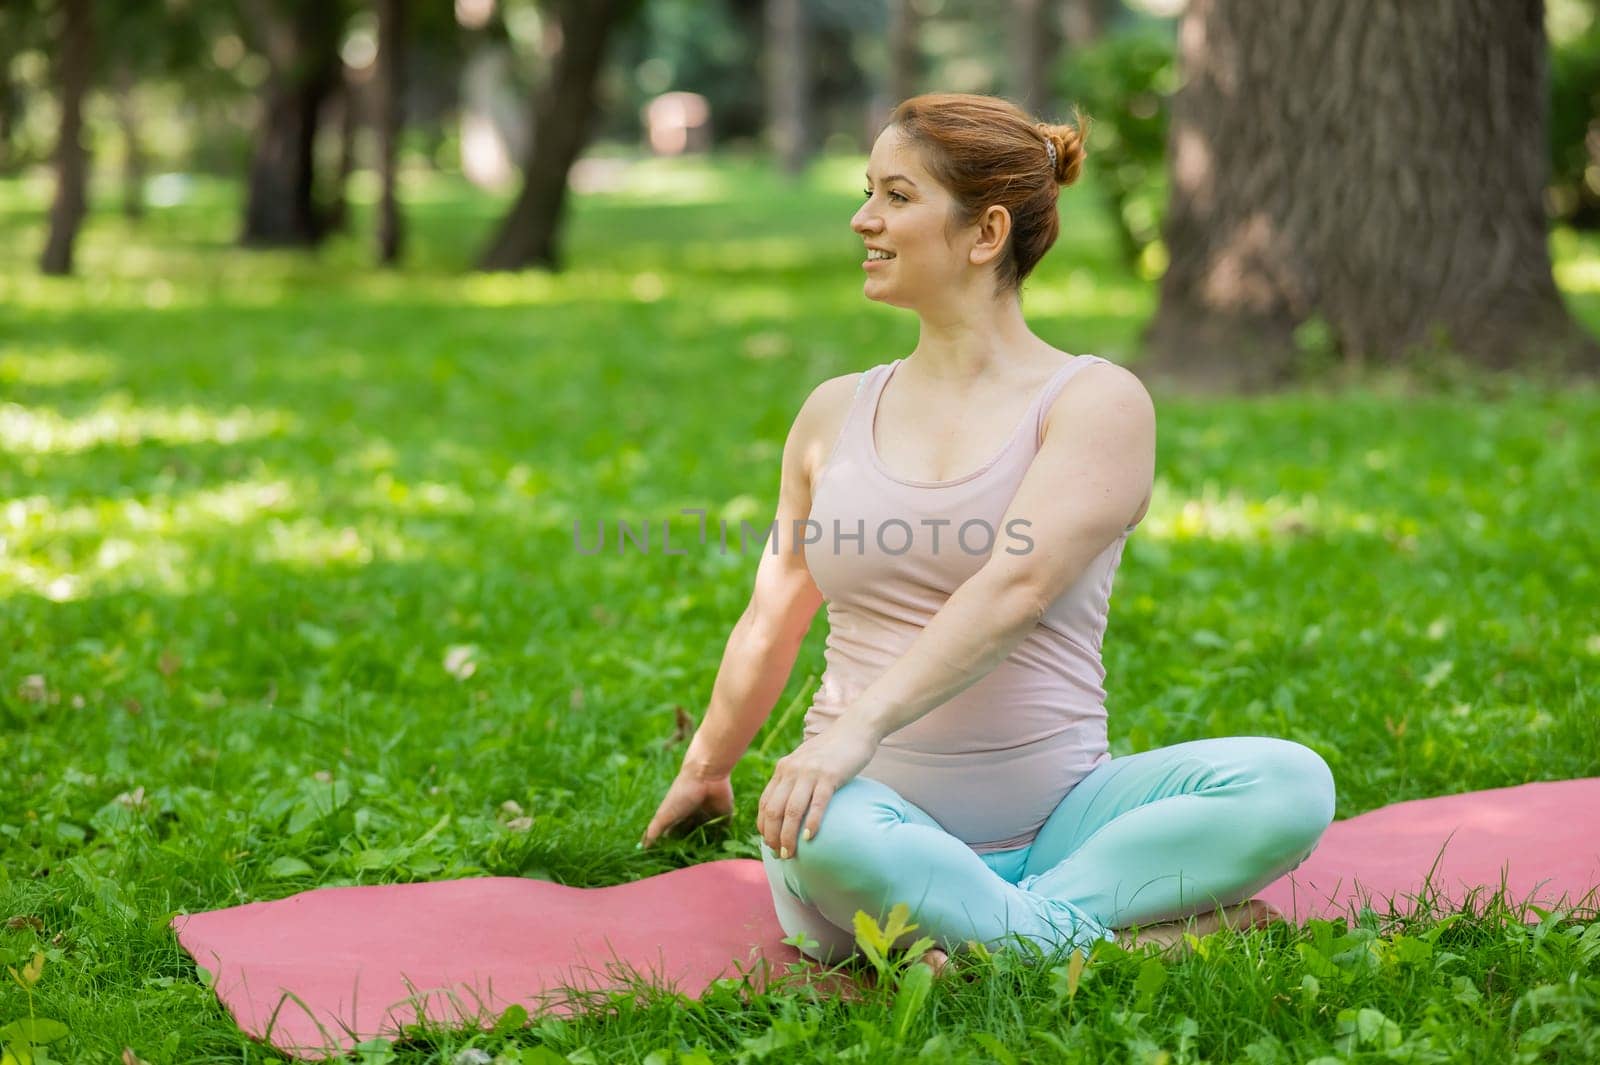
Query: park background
[[324, 325]]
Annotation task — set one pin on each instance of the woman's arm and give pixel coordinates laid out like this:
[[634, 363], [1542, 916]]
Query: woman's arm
[[1085, 486], [765, 641]]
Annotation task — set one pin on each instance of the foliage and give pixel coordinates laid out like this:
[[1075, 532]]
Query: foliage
[[1573, 193], [1124, 83]]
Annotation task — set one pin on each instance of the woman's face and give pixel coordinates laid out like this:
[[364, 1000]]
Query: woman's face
[[905, 214]]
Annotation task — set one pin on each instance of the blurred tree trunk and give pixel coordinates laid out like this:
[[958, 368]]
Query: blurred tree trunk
[[1034, 42], [1587, 213], [1375, 170], [788, 84], [300, 39], [1084, 22], [133, 162], [391, 90], [562, 113], [345, 103], [10, 98], [904, 56], [74, 56]]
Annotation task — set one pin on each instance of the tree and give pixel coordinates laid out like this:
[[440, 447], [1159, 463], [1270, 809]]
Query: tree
[[562, 114], [15, 25], [391, 86], [905, 58], [300, 40], [1374, 172], [1083, 22], [1034, 42], [74, 58], [787, 64]]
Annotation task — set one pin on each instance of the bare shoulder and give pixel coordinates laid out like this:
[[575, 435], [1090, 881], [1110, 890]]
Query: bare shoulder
[[1106, 411], [820, 420], [1103, 390]]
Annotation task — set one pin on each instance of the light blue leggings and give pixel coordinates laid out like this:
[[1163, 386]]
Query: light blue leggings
[[1145, 838]]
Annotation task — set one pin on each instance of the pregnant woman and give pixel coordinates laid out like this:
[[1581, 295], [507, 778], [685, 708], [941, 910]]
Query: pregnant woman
[[962, 511]]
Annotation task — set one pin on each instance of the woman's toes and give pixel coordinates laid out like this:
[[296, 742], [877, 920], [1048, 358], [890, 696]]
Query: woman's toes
[[937, 960], [1258, 913]]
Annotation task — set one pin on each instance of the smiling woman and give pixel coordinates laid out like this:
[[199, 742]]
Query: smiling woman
[[955, 755]]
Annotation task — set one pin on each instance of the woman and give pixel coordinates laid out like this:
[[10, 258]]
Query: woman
[[955, 755]]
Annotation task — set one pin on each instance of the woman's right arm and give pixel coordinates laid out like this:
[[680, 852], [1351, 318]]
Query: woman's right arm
[[766, 639]]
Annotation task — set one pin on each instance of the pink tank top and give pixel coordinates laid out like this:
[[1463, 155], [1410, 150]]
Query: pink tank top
[[992, 763]]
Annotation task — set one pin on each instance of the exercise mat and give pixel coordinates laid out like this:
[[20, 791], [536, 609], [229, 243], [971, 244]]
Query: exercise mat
[[318, 972]]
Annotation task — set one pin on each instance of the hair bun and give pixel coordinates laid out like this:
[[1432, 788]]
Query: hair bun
[[1069, 144]]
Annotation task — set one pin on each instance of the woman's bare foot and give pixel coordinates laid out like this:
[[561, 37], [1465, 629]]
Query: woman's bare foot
[[937, 960], [1168, 935]]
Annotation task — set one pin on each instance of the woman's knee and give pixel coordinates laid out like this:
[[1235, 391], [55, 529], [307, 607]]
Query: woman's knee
[[851, 828], [1298, 796], [800, 920]]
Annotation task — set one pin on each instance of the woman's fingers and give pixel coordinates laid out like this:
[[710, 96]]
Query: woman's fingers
[[684, 809], [772, 812], [819, 803], [794, 811], [666, 816]]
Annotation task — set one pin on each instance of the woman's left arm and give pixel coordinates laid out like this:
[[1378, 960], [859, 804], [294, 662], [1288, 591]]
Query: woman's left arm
[[1094, 468]]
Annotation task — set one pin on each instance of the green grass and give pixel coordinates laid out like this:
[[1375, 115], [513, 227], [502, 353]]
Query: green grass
[[288, 597]]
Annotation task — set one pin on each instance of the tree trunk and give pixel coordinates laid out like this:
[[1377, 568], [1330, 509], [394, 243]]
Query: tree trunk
[[563, 113], [302, 48], [788, 84], [1084, 22], [10, 98], [390, 89], [345, 101], [1587, 214], [1033, 49], [73, 61], [133, 164], [1376, 170], [904, 56]]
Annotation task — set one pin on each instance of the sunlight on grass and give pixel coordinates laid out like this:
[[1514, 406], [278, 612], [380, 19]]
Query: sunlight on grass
[[232, 504], [1082, 294], [512, 290], [1236, 518], [749, 303], [162, 565], [661, 182], [53, 366], [164, 542], [39, 431], [423, 497], [313, 544], [764, 253]]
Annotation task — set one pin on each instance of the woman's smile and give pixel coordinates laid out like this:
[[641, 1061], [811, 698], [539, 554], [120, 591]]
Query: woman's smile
[[876, 257]]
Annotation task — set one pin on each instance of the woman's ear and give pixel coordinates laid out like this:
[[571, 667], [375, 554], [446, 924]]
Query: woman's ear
[[994, 226]]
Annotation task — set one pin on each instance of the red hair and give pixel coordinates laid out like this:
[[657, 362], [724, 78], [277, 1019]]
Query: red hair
[[986, 150]]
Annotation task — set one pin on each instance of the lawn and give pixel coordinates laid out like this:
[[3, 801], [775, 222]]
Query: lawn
[[289, 597]]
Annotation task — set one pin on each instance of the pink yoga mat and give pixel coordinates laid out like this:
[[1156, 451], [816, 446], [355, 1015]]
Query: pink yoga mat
[[318, 972]]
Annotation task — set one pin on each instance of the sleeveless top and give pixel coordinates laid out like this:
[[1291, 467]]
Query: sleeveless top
[[993, 762]]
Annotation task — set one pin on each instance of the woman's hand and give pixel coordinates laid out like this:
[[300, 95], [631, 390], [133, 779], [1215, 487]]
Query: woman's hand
[[693, 800], [806, 778]]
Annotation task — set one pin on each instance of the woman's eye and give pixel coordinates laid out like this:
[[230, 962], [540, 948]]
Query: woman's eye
[[868, 194]]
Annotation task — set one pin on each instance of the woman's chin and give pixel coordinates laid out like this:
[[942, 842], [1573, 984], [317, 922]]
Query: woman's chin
[[878, 293]]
